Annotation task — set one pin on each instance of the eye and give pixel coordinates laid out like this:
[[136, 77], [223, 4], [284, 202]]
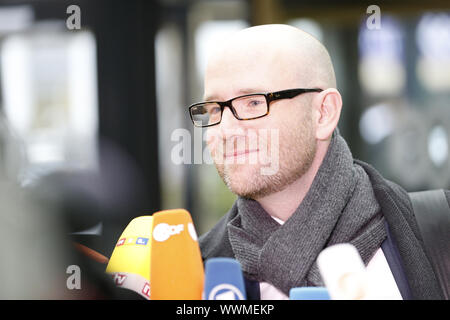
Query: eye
[[254, 103], [214, 110]]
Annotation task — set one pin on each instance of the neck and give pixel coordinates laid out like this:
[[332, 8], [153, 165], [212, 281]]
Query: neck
[[283, 204]]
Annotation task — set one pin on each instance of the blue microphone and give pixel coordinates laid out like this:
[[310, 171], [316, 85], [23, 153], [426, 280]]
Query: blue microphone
[[309, 293], [223, 280]]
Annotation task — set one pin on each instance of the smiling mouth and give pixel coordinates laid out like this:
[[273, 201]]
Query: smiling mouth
[[239, 153]]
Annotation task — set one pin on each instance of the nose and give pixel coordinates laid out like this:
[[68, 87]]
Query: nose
[[228, 119], [229, 125]]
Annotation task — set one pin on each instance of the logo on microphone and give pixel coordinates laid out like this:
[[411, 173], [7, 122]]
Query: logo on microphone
[[119, 279], [225, 292], [120, 242], [192, 232], [142, 241], [127, 241], [146, 290], [163, 231]]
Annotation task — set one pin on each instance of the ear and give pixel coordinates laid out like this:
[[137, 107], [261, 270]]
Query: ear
[[328, 106]]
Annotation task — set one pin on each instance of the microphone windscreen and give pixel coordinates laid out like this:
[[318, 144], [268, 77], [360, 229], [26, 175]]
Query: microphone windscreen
[[176, 262], [309, 293], [343, 272], [130, 261], [224, 280]]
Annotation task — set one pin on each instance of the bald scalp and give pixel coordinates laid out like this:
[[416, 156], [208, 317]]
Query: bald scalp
[[293, 52]]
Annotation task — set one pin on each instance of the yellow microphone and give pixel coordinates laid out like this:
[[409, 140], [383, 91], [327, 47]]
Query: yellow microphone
[[176, 263], [129, 264]]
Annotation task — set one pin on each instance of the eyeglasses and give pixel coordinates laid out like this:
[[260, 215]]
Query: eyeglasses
[[245, 107]]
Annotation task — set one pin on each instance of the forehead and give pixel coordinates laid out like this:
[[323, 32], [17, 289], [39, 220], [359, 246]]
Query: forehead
[[233, 72]]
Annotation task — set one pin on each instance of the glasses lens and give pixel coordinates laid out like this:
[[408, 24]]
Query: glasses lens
[[249, 107], [206, 114]]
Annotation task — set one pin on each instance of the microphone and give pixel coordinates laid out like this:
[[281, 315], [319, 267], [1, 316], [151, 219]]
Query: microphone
[[177, 267], [129, 264], [343, 272], [309, 293], [223, 280]]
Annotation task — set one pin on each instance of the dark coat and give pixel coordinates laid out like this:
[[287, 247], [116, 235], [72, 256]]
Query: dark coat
[[398, 212]]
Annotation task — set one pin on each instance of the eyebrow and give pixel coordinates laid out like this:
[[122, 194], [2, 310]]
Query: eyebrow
[[238, 93]]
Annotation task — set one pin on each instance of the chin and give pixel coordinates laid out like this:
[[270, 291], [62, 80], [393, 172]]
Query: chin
[[243, 190], [249, 190], [242, 173], [244, 181]]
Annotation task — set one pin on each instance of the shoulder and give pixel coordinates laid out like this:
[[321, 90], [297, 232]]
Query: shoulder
[[398, 212], [393, 199]]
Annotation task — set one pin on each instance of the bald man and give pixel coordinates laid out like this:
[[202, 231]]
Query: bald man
[[271, 110]]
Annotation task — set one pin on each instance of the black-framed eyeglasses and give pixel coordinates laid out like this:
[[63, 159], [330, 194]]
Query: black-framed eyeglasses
[[245, 107]]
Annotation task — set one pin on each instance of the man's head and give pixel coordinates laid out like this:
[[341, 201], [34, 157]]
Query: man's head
[[271, 58]]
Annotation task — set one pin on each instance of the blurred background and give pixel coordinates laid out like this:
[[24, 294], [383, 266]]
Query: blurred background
[[94, 128]]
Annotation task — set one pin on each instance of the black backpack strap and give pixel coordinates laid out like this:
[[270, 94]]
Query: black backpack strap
[[252, 289], [432, 213]]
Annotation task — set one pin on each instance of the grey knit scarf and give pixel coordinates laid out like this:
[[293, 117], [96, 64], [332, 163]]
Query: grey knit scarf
[[339, 207]]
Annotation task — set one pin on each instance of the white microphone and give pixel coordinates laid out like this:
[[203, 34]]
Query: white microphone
[[344, 273]]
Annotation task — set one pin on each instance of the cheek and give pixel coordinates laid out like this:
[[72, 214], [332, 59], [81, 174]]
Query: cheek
[[212, 140], [300, 119], [296, 131]]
